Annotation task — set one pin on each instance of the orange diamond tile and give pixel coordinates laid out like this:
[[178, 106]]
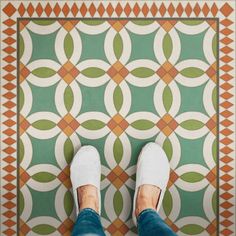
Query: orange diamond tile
[[180, 9], [145, 9], [124, 72], [30, 9], [118, 130], [117, 183], [111, 124], [153, 9], [127, 9], [167, 66], [74, 124], [162, 9], [9, 205], [68, 65], [9, 141], [21, 9], [111, 176], [167, 118], [62, 176], [65, 9], [9, 49], [214, 9], [226, 213], [167, 78], [24, 228], [62, 124], [124, 124], [9, 187], [68, 118], [205, 9], [136, 9], [118, 9], [188, 9], [9, 95], [111, 229], [211, 176], [118, 223], [197, 9], [9, 77], [9, 122], [173, 226], [211, 228], [92, 10], [83, 9], [167, 26], [101, 9], [74, 9], [117, 170], [57, 9], [68, 26], [118, 78], [48, 9], [9, 9], [118, 118], [226, 9], [112, 71], [161, 124], [110, 9], [171, 9], [39, 9], [9, 58], [226, 196], [9, 214], [124, 177], [118, 66], [167, 72], [9, 150], [9, 168], [167, 131], [68, 131], [66, 227], [211, 124]]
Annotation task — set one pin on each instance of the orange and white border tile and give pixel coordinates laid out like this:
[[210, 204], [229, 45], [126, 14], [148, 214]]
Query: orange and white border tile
[[223, 10]]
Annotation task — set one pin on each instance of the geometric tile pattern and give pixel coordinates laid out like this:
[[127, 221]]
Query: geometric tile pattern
[[140, 95], [81, 82]]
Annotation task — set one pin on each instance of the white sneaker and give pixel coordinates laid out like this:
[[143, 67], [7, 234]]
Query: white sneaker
[[85, 169], [152, 168]]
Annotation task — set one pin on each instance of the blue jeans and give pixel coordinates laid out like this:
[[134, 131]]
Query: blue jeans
[[149, 224]]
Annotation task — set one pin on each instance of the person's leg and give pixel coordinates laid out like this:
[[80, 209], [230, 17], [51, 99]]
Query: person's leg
[[85, 178], [88, 224], [88, 221], [152, 176], [149, 222]]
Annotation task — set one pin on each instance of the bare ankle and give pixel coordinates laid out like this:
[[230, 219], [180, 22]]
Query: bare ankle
[[88, 197], [147, 198], [143, 203]]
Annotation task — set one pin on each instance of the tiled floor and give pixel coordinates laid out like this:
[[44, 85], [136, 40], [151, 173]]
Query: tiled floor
[[118, 84]]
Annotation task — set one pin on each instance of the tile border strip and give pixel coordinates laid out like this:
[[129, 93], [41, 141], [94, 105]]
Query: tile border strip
[[225, 11]]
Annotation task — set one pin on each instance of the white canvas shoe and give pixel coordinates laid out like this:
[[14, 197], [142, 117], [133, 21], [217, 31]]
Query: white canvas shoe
[[85, 169], [152, 168]]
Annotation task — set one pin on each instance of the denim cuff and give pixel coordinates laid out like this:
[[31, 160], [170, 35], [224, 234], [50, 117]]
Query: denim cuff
[[143, 212], [86, 210]]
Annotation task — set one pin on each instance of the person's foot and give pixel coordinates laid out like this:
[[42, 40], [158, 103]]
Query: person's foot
[[152, 176], [85, 174], [147, 198], [87, 197]]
